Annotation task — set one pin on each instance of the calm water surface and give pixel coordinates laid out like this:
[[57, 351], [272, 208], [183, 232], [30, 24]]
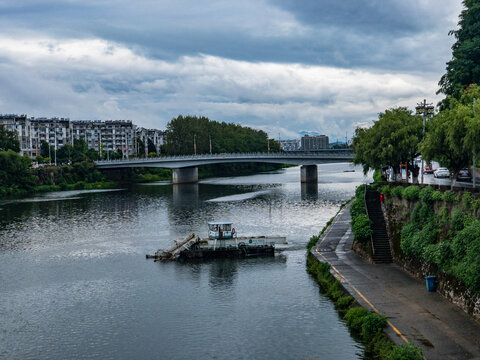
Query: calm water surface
[[74, 281]]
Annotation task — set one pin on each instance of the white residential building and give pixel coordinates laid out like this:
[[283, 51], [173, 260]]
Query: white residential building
[[109, 136]]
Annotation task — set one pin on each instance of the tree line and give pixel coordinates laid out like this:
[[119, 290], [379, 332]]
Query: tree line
[[186, 135]]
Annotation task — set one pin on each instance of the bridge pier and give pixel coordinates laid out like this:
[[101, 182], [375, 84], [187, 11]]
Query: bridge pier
[[187, 175], [309, 174]]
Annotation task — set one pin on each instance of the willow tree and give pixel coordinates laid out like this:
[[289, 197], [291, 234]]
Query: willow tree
[[393, 139]]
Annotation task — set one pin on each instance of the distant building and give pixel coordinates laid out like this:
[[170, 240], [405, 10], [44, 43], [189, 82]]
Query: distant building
[[155, 136], [309, 143], [107, 136], [103, 136], [290, 145]]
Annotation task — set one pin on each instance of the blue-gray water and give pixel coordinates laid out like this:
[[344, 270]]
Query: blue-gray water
[[74, 281]]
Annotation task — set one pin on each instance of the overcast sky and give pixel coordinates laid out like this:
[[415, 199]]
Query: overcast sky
[[283, 66]]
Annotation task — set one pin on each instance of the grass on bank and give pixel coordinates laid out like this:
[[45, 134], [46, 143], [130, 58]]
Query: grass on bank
[[364, 325]]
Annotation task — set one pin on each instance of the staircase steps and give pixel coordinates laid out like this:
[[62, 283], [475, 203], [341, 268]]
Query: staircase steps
[[381, 245]]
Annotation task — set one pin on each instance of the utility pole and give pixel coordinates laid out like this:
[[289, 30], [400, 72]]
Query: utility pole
[[424, 109], [210, 139], [195, 144]]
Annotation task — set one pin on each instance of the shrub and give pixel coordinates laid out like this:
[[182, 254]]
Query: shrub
[[354, 318], [357, 208], [415, 239], [385, 189], [439, 254], [344, 302], [372, 324], [377, 176], [476, 205], [444, 215], [458, 219], [406, 352], [362, 228], [437, 195], [334, 292], [360, 192], [467, 200], [422, 213], [411, 193], [426, 194], [450, 196], [313, 240], [397, 191]]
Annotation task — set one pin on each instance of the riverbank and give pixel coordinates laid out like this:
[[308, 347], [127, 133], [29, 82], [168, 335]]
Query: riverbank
[[440, 328]]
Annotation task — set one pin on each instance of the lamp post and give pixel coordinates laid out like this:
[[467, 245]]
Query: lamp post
[[424, 109], [195, 144]]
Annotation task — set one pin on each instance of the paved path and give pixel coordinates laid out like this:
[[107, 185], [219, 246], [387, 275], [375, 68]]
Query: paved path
[[442, 329]]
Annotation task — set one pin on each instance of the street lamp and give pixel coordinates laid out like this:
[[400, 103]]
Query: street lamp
[[424, 109], [195, 144]]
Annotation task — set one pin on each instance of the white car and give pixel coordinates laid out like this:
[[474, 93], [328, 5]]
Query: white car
[[441, 173]]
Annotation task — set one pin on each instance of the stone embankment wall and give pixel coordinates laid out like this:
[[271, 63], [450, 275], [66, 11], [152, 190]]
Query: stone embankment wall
[[396, 214]]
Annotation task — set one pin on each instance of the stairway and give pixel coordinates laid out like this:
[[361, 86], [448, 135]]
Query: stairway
[[381, 246]]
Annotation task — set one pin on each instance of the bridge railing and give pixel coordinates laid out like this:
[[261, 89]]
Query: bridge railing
[[253, 155]]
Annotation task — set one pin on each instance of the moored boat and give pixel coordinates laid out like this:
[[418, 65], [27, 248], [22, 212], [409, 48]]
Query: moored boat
[[222, 241]]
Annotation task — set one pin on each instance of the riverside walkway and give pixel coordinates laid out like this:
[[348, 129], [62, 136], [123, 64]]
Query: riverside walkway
[[440, 328]]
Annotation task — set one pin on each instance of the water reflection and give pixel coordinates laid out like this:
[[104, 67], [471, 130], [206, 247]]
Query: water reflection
[[185, 196], [309, 191]]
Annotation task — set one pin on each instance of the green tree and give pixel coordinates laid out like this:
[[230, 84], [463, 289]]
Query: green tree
[[15, 171], [46, 150], [80, 149], [185, 131], [151, 147], [8, 140], [452, 136], [65, 153], [392, 140], [140, 148], [464, 68]]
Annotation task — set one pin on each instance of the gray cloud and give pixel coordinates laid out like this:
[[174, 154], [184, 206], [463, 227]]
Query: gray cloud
[[279, 65]]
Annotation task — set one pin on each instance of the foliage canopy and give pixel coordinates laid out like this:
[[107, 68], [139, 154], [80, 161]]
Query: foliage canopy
[[392, 140]]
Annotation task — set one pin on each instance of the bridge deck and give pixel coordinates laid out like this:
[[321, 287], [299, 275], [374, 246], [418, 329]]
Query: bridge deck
[[175, 162]]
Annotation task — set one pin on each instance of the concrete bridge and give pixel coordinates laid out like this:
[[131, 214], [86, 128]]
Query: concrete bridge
[[185, 167]]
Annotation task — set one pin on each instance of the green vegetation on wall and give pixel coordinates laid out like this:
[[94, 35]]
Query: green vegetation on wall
[[361, 224], [448, 239]]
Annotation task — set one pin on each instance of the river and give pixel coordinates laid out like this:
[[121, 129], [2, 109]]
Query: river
[[74, 281]]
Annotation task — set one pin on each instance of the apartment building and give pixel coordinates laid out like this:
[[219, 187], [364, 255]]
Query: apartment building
[[309, 143], [109, 136], [154, 135], [290, 144]]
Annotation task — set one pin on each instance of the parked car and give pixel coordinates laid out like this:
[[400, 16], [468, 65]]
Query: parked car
[[428, 170], [464, 175], [441, 173]]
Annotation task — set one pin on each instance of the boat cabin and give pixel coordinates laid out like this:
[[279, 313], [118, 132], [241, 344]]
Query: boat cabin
[[221, 230]]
